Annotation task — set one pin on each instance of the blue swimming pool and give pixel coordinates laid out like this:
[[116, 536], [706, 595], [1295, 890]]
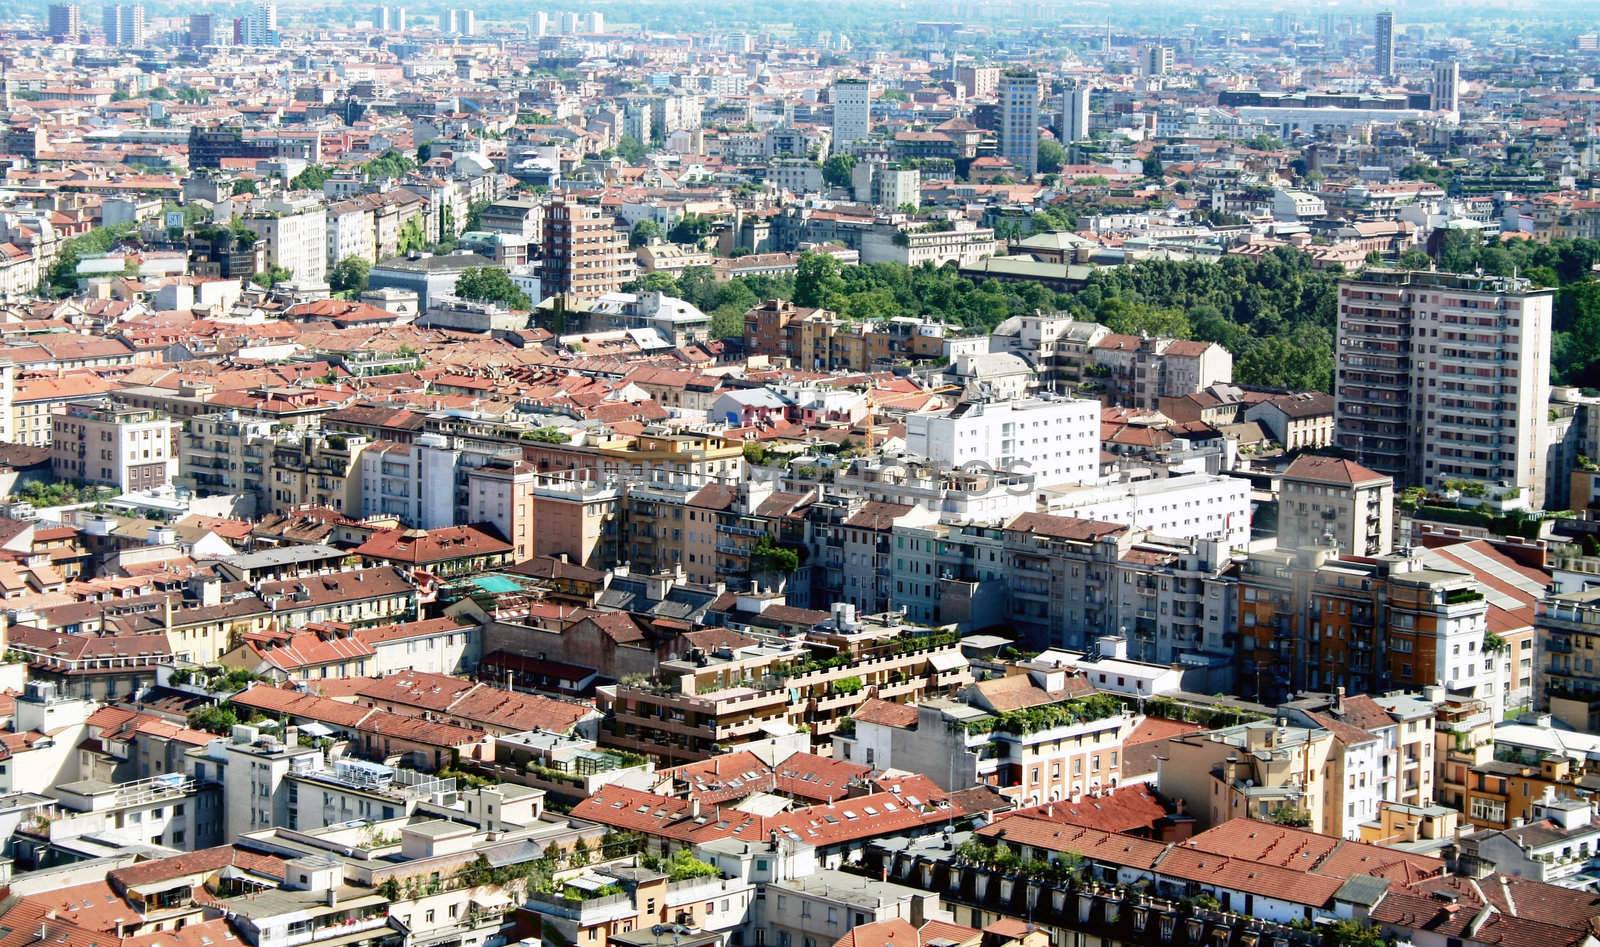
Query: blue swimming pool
[[495, 584]]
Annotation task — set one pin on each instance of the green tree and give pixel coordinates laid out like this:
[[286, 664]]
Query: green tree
[[311, 179], [244, 186], [271, 276], [411, 236], [632, 150], [390, 164], [491, 284], [643, 232], [836, 170], [349, 275], [1052, 157], [690, 228], [1350, 933], [1301, 361], [62, 277], [1152, 167], [816, 280], [1133, 318], [769, 558], [727, 321], [217, 718]]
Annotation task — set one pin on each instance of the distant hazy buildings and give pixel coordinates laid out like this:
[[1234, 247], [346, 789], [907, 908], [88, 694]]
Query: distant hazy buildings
[[259, 27], [1075, 112], [1447, 86], [1019, 120], [124, 25], [1383, 39], [65, 22]]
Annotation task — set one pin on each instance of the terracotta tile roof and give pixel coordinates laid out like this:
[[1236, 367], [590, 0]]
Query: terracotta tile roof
[[1331, 470], [422, 547], [1126, 809], [1064, 527], [1091, 843], [887, 713]]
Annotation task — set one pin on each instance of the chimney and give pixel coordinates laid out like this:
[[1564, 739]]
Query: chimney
[[1338, 704], [694, 807]]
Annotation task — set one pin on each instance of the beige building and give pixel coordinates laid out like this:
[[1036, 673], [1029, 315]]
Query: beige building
[[127, 448], [500, 494], [1254, 771], [586, 255], [576, 519], [1322, 498], [310, 468]]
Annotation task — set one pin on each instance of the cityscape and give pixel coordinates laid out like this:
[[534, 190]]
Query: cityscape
[[893, 474]]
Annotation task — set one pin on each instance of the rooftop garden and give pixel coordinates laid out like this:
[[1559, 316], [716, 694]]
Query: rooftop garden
[[1049, 716]]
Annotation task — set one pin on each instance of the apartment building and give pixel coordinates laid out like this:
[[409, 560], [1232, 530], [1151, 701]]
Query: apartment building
[[99, 442], [226, 452], [310, 468], [1190, 506], [852, 110], [296, 236], [1328, 498], [1444, 377], [1311, 620], [1050, 753], [1020, 91], [694, 708], [1264, 770], [586, 257], [1137, 371], [1056, 440], [1567, 679], [1070, 581], [34, 400]]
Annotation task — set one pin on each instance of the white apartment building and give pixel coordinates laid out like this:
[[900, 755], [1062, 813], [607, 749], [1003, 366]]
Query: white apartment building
[[351, 232], [1057, 440], [1193, 506], [103, 443], [852, 110], [296, 234], [1445, 377]]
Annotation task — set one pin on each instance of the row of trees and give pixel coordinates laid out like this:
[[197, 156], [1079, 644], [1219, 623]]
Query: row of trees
[[1274, 312]]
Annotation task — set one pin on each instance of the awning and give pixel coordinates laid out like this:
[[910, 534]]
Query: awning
[[491, 900]]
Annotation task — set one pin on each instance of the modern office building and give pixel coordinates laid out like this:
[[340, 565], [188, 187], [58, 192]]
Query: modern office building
[[852, 110], [1019, 120], [260, 26], [205, 29], [1075, 112], [1383, 40], [65, 22], [1447, 86], [1443, 378]]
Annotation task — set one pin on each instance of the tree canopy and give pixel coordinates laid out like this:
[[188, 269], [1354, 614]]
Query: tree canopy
[[491, 284]]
